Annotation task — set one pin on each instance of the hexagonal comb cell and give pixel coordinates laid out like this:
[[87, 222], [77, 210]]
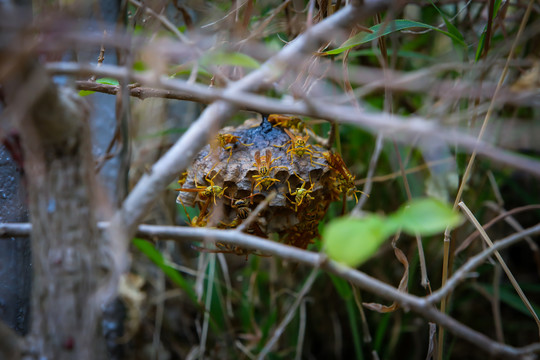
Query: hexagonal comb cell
[[243, 165]]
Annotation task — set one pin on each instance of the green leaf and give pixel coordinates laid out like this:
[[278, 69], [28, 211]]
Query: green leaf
[[139, 66], [200, 71], [106, 81], [153, 254], [355, 330], [232, 59], [509, 297], [385, 29], [352, 241], [482, 41], [400, 53], [427, 216], [480, 48], [85, 92], [457, 38], [343, 288]]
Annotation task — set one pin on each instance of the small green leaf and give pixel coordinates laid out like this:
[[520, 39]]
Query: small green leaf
[[400, 53], [480, 48], [85, 92], [352, 241], [200, 71], [139, 66], [427, 216], [343, 288], [457, 37], [232, 59], [481, 42], [508, 296], [385, 29], [153, 254], [107, 81]]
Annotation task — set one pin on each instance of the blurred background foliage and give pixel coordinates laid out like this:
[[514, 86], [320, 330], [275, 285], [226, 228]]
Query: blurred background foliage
[[247, 299]]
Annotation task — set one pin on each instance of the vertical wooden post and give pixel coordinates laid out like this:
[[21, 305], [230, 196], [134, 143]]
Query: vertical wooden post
[[69, 258]]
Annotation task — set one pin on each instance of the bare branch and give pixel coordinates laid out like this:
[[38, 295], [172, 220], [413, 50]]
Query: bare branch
[[144, 92], [423, 306], [402, 128]]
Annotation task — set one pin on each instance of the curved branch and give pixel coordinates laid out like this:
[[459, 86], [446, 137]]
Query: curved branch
[[476, 261], [423, 306]]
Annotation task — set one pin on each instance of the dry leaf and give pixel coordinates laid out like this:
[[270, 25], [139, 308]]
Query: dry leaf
[[402, 284]]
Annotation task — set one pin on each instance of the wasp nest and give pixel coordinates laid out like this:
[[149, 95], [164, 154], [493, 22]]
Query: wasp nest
[[243, 165]]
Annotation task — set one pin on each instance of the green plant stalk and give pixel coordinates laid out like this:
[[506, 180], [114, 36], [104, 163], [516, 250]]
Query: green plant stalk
[[208, 302], [155, 256], [381, 331], [489, 27], [344, 290], [455, 35], [483, 44], [354, 329]]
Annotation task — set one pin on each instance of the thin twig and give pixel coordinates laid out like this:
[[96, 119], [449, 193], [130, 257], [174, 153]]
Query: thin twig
[[510, 220], [366, 190], [163, 20], [366, 335], [477, 260], [234, 11], [492, 222], [255, 213], [228, 283], [509, 274], [396, 174], [290, 314], [147, 92], [301, 330], [258, 31]]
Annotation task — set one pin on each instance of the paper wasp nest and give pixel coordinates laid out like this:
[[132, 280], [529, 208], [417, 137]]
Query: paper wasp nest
[[228, 180]]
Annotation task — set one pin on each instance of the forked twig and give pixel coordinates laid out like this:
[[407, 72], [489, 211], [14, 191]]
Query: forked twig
[[509, 274], [423, 306]]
